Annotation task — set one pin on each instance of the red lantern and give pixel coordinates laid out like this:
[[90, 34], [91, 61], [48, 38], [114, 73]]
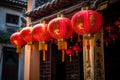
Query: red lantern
[[109, 28], [69, 52], [117, 23], [87, 22], [60, 28], [106, 41], [16, 40], [26, 34], [41, 34], [113, 37], [77, 49]]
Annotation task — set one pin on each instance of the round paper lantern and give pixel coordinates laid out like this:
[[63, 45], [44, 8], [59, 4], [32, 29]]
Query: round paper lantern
[[16, 40], [77, 49], [106, 40], [109, 28], [60, 28], [69, 52], [87, 22], [113, 36], [26, 34], [117, 22], [40, 33]]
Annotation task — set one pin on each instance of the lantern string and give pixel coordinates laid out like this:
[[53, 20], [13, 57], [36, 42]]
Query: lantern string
[[40, 46]]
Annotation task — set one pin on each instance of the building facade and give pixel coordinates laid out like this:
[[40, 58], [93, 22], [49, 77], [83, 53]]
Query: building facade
[[11, 12], [105, 62], [47, 10]]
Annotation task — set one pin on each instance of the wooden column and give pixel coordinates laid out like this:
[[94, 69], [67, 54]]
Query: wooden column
[[31, 62], [88, 58], [99, 56], [93, 57]]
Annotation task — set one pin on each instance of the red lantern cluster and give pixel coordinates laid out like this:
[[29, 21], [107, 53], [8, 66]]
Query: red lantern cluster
[[77, 49], [73, 50], [61, 29], [111, 31], [69, 52]]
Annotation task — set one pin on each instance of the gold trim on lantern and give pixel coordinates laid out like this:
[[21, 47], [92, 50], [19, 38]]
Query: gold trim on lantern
[[40, 46], [18, 49], [88, 36], [85, 8]]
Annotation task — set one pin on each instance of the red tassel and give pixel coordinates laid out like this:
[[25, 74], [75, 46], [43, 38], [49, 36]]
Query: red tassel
[[88, 50]]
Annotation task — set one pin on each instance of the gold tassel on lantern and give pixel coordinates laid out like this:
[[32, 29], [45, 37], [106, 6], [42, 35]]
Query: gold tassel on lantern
[[63, 47], [40, 46], [70, 57], [65, 44], [44, 55], [63, 55], [19, 49], [59, 44], [44, 51]]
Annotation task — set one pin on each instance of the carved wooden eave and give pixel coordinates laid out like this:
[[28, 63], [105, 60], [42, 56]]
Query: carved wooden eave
[[14, 4], [49, 10]]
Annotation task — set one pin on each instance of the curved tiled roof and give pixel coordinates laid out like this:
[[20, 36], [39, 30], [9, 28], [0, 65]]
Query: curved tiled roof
[[16, 2], [50, 7], [68, 7], [13, 3]]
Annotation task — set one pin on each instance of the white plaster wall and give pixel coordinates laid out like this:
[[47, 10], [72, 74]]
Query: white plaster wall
[[3, 12]]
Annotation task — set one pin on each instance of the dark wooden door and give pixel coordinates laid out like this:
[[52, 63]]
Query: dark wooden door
[[10, 64]]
